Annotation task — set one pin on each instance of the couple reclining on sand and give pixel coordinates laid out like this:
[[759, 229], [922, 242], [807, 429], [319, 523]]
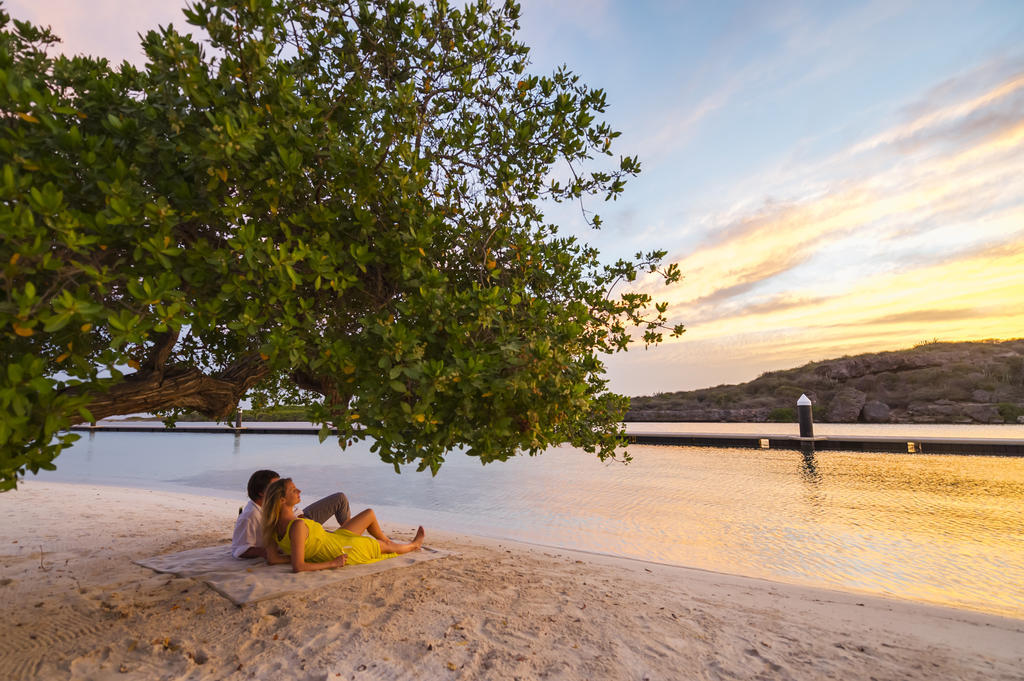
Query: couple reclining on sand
[[268, 527]]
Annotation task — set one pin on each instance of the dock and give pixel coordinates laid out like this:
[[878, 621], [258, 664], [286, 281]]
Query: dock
[[838, 443], [845, 443]]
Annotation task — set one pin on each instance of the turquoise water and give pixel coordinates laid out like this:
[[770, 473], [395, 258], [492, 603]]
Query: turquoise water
[[941, 529]]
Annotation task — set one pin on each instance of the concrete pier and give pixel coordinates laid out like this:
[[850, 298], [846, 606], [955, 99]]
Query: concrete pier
[[848, 443]]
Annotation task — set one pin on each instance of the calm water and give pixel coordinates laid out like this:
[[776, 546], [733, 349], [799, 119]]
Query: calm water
[[942, 529]]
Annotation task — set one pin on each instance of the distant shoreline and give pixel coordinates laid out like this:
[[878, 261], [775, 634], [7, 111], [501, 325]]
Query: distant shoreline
[[683, 419], [627, 420], [987, 440], [934, 383]]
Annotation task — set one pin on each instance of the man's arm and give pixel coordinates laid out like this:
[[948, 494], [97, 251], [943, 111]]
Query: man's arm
[[253, 552]]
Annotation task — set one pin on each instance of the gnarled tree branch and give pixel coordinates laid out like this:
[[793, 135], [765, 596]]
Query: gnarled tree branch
[[162, 345], [157, 388], [322, 385]]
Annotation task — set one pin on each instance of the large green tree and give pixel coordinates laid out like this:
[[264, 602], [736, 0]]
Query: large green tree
[[338, 202]]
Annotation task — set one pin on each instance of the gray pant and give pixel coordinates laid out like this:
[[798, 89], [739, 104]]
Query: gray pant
[[334, 505]]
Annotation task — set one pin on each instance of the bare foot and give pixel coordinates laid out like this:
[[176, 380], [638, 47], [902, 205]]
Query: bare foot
[[394, 547], [417, 541]]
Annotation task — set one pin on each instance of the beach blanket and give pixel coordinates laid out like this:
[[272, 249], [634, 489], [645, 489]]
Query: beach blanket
[[248, 581]]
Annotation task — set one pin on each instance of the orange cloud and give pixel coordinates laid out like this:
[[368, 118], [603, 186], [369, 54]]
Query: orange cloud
[[896, 245]]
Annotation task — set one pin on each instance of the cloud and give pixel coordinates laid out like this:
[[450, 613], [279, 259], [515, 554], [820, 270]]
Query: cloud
[[759, 248], [102, 28], [737, 72], [547, 22], [965, 193], [748, 278], [675, 128], [978, 295], [953, 115], [759, 307], [908, 234], [947, 119], [934, 315]]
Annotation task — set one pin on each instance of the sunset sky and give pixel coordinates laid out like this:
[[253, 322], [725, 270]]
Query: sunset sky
[[833, 178]]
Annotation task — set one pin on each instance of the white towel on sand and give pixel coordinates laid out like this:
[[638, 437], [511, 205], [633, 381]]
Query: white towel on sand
[[248, 581]]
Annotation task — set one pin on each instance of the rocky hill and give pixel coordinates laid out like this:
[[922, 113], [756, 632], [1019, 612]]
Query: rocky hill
[[980, 382]]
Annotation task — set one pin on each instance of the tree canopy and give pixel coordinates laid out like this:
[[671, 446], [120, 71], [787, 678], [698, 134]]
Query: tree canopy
[[328, 201]]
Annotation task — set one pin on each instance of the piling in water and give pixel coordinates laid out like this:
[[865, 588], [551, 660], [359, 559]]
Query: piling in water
[[806, 418]]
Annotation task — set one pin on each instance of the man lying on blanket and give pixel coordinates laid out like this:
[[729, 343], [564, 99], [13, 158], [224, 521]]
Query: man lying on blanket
[[247, 541]]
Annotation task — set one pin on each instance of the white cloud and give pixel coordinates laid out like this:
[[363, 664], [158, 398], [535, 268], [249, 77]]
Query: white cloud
[[103, 28], [545, 22], [890, 244]]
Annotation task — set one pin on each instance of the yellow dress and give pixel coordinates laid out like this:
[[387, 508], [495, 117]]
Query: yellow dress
[[322, 546]]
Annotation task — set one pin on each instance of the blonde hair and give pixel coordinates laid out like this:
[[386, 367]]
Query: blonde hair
[[273, 499]]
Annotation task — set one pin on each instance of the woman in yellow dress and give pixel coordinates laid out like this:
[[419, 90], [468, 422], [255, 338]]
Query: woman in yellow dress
[[308, 546]]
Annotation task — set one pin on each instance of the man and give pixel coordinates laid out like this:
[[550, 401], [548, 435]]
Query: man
[[247, 541]]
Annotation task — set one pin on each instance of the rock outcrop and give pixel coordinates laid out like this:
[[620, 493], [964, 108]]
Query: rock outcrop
[[875, 412], [753, 415], [845, 407], [983, 413], [979, 382], [864, 365]]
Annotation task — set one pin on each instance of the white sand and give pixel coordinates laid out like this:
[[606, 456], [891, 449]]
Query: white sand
[[74, 606]]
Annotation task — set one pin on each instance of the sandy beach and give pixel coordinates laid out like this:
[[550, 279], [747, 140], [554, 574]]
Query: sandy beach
[[76, 607]]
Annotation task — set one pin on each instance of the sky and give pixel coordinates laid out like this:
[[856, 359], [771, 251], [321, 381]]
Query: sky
[[832, 178]]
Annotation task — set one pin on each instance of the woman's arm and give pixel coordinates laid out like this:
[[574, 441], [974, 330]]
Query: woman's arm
[[274, 555], [298, 534]]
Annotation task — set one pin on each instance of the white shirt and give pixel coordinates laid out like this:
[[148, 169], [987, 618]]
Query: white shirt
[[248, 530]]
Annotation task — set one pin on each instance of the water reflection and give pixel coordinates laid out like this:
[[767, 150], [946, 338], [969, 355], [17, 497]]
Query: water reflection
[[813, 498], [809, 470], [944, 529]]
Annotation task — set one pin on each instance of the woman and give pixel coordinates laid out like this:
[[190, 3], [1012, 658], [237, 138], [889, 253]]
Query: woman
[[310, 546]]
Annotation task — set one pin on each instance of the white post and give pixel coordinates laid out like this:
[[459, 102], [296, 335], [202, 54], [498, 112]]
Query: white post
[[805, 416]]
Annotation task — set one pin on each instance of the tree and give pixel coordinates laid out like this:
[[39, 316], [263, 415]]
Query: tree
[[337, 202]]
